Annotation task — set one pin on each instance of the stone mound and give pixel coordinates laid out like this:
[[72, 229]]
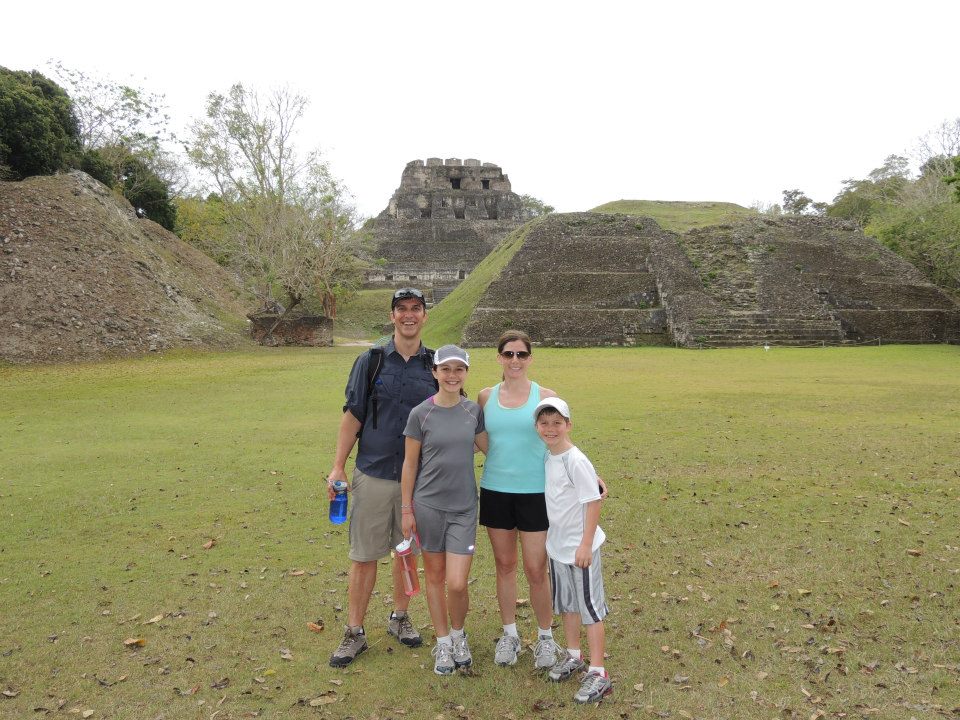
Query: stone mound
[[599, 279], [579, 279], [81, 278]]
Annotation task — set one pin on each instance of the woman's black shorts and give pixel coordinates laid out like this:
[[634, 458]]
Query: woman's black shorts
[[526, 512]]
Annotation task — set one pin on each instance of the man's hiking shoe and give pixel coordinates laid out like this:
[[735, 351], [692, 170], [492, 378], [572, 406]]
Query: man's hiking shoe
[[508, 647], [594, 688], [566, 667], [354, 642], [545, 653], [461, 652], [444, 664], [402, 629]]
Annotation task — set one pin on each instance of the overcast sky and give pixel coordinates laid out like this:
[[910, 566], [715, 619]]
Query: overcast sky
[[579, 102]]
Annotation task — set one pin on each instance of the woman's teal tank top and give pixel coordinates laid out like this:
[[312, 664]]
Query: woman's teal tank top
[[514, 462]]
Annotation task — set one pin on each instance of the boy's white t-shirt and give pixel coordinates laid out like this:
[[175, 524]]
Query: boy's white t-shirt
[[565, 496]]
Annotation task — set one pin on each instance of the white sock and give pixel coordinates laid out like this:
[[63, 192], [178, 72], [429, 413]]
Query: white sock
[[445, 640], [511, 629], [574, 652], [455, 634], [601, 671], [548, 633]]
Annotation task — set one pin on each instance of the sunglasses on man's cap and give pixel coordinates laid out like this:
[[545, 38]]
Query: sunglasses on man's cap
[[406, 294]]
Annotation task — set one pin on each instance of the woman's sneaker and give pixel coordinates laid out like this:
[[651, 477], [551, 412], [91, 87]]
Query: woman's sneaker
[[594, 688], [566, 667], [402, 629], [545, 653], [461, 652], [508, 647], [444, 664]]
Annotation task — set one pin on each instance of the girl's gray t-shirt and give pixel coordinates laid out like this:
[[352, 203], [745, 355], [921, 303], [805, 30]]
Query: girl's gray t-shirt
[[445, 480]]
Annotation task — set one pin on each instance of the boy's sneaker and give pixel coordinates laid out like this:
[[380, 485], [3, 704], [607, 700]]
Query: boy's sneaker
[[461, 652], [402, 629], [354, 642], [545, 653], [508, 647], [594, 688], [567, 666], [444, 664]]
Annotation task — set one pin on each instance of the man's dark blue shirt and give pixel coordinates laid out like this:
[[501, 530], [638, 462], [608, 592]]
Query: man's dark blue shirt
[[400, 387]]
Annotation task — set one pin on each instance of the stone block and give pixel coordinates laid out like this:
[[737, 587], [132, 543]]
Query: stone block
[[453, 162], [471, 162], [434, 162]]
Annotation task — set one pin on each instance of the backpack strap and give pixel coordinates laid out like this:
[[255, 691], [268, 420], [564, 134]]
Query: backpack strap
[[374, 366]]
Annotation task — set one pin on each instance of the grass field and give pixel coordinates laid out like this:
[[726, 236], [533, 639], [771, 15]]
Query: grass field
[[782, 529], [679, 216]]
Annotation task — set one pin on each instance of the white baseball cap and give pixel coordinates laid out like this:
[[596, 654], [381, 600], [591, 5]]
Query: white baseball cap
[[447, 353], [553, 402]]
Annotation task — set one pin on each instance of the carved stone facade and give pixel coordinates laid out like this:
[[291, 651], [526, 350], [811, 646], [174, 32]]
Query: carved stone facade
[[445, 217]]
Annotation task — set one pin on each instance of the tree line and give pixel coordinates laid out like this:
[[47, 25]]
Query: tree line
[[915, 214]]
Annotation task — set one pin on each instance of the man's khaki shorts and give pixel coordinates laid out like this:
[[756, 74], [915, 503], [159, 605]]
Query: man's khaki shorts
[[375, 520]]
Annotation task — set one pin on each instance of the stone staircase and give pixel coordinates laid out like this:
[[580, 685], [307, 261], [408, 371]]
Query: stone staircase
[[757, 327]]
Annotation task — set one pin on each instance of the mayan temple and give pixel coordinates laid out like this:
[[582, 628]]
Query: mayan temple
[[445, 217]]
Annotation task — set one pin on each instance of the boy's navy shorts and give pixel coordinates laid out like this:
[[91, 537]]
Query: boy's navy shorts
[[526, 512]]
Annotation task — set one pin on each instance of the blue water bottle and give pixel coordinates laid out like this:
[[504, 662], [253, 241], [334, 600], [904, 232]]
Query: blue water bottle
[[338, 506]]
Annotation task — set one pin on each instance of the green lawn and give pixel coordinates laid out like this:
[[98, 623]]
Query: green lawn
[[782, 539], [679, 216]]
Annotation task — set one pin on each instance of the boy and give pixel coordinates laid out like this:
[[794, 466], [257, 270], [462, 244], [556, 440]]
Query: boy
[[573, 546]]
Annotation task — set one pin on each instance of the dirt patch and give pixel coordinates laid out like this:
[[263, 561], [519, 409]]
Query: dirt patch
[[82, 278]]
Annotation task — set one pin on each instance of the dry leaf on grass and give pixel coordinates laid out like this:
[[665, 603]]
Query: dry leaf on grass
[[913, 552], [154, 619], [322, 700], [209, 544], [134, 642], [297, 573], [10, 693], [316, 627], [285, 654]]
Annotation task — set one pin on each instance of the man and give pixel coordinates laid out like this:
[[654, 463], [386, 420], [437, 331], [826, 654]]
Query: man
[[377, 416]]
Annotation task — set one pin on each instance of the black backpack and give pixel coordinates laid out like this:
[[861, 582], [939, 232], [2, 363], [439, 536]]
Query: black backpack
[[375, 365]]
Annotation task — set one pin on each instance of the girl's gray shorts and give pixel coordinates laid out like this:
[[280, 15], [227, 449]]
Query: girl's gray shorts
[[443, 531], [579, 590]]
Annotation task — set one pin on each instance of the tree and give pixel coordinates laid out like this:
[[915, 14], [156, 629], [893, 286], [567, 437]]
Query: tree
[[202, 223], [531, 207], [290, 225], [954, 179], [38, 131], [123, 135], [795, 202]]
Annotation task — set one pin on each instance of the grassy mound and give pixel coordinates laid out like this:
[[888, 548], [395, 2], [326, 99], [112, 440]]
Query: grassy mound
[[448, 319], [678, 216]]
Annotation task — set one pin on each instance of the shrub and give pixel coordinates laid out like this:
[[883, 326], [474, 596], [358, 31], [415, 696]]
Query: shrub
[[38, 132]]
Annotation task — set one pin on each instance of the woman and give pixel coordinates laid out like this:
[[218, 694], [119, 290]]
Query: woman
[[439, 500], [512, 503]]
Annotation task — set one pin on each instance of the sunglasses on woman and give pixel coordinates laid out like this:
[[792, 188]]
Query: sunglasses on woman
[[510, 354]]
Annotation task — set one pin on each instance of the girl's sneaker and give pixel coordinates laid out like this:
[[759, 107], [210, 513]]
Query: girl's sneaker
[[567, 666], [508, 647], [443, 665], [594, 688], [461, 652]]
